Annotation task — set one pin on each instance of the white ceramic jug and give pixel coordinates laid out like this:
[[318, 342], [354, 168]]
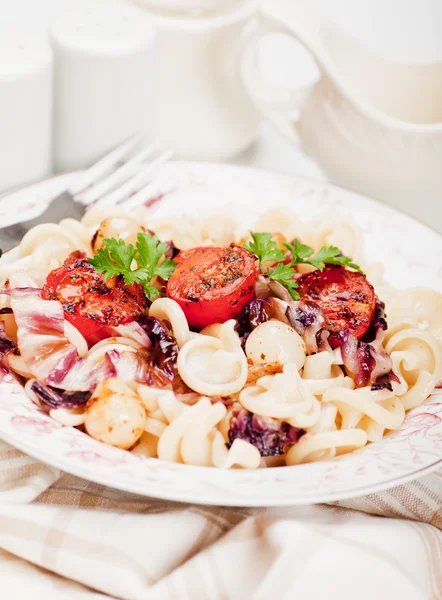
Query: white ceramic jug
[[201, 109], [374, 125]]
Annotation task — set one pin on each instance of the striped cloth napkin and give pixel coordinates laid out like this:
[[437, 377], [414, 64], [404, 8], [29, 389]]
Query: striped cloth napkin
[[63, 537]]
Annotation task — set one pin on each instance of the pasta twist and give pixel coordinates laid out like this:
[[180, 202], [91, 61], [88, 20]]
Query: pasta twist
[[421, 307], [215, 230], [280, 220], [321, 372], [353, 405], [213, 364], [416, 357], [282, 396], [312, 447]]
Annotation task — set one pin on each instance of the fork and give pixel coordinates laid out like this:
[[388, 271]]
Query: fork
[[117, 178]]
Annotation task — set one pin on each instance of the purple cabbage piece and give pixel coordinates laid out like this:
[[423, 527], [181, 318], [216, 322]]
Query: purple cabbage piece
[[369, 363], [7, 346], [164, 352], [56, 398], [384, 382], [307, 319], [379, 318], [173, 250], [378, 322], [253, 314], [270, 437], [366, 358]]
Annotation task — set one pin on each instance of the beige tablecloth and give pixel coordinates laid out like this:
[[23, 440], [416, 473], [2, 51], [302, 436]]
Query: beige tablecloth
[[62, 537]]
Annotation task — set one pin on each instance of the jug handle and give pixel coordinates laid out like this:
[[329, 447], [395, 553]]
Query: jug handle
[[282, 106]]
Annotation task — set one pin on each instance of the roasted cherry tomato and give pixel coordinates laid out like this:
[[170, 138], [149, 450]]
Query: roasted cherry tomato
[[211, 284], [346, 297], [90, 303]]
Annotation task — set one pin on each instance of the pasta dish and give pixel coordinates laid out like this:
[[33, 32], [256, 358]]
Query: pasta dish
[[196, 342]]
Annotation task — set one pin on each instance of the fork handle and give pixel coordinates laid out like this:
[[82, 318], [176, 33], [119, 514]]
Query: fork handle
[[61, 207]]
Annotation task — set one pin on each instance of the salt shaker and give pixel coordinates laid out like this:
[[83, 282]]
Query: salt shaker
[[201, 109], [25, 108], [102, 80]]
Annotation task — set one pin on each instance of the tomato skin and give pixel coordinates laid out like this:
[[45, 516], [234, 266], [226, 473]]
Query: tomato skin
[[91, 304], [211, 284], [346, 297]]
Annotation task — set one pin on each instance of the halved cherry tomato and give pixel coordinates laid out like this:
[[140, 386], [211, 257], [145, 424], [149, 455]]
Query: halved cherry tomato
[[212, 285], [90, 303], [346, 297]]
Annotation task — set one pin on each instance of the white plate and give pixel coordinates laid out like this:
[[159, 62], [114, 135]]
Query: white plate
[[411, 253]]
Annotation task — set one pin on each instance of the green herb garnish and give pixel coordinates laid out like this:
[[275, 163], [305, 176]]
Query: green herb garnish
[[284, 275], [327, 255], [116, 258], [264, 247]]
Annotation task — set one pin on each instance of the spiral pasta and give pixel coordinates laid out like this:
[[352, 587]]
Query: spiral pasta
[[213, 364], [416, 356], [282, 396], [321, 373], [280, 221], [421, 307]]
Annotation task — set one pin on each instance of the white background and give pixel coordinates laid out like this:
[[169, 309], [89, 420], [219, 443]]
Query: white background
[[400, 28]]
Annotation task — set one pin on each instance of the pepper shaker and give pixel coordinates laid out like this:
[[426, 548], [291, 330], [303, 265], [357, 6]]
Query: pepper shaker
[[102, 81], [25, 108]]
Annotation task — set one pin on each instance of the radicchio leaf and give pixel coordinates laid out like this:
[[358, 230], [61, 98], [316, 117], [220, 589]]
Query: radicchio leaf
[[378, 322], [56, 398], [369, 363], [253, 314], [133, 331], [164, 352], [267, 435], [307, 319], [6, 347], [173, 250], [384, 382]]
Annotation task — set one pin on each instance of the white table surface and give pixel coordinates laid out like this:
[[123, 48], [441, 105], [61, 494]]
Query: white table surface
[[401, 28]]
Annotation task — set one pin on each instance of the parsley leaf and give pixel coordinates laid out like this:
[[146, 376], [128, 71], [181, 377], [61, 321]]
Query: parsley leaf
[[331, 255], [165, 269], [264, 247], [299, 251], [284, 275], [116, 258], [327, 255], [149, 250]]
